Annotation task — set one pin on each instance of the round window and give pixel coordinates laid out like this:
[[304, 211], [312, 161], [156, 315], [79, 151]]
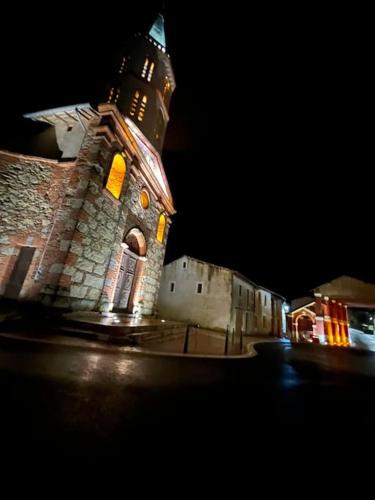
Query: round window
[[144, 199]]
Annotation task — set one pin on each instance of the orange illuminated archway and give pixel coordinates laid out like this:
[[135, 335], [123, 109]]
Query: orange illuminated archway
[[305, 313], [116, 175], [161, 228]]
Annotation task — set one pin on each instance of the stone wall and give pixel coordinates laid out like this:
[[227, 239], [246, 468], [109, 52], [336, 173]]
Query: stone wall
[[93, 232], [147, 220], [88, 278], [77, 226], [32, 192], [243, 302]]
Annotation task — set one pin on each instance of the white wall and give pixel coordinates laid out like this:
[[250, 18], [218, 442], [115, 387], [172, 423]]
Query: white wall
[[263, 310], [361, 340], [242, 316], [211, 309]]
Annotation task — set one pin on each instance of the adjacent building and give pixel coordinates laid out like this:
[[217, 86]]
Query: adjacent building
[[338, 313], [87, 229], [218, 298]]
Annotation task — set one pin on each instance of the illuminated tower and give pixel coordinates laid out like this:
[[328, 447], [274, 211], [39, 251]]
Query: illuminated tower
[[145, 82]]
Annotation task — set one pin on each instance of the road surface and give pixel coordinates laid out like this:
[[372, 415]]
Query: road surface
[[91, 404]]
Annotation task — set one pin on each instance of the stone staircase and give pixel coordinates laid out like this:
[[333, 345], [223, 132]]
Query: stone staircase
[[120, 329]]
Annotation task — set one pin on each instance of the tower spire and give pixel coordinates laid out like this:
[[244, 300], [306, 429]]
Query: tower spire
[[157, 31]]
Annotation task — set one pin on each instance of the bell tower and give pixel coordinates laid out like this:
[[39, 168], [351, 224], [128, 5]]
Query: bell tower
[[145, 82]]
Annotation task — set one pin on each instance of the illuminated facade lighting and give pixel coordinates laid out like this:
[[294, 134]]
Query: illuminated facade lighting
[[329, 322]]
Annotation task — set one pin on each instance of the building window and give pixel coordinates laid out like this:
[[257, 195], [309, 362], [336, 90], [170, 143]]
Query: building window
[[172, 287], [199, 288], [240, 290], [122, 67], [248, 298], [144, 199], [184, 265], [159, 126], [116, 175], [135, 102], [166, 89], [161, 228], [148, 69], [265, 300], [142, 108], [114, 94], [138, 105], [145, 67]]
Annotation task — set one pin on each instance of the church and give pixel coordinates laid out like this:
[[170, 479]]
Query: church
[[88, 230]]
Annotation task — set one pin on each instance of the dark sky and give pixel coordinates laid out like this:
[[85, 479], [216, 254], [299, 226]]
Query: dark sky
[[270, 145]]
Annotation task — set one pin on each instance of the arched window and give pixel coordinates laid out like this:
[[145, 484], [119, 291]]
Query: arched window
[[148, 69], [116, 175], [114, 94], [145, 67], [150, 72], [142, 108], [167, 89], [159, 126], [135, 101], [161, 228], [138, 105]]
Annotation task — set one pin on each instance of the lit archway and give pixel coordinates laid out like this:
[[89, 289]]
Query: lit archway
[[161, 228], [304, 323], [116, 175]]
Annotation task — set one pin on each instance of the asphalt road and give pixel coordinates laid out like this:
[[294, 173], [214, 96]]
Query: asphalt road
[[92, 404]]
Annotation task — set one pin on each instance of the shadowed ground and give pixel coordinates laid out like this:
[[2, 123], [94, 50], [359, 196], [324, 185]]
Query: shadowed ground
[[86, 402]]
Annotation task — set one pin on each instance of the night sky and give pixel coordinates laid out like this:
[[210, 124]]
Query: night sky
[[270, 142]]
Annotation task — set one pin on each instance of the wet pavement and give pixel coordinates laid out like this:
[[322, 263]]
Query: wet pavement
[[86, 402], [198, 342]]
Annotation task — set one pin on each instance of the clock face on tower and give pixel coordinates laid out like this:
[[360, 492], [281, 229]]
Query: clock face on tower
[[150, 158]]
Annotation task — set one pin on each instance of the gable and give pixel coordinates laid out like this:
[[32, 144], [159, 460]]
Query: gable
[[350, 290], [150, 158]]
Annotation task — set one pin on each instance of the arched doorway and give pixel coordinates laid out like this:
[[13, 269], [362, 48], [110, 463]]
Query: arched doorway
[[304, 325], [134, 251]]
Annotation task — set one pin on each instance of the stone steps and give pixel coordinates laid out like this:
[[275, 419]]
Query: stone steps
[[123, 334]]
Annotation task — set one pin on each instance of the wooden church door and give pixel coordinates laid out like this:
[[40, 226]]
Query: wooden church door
[[125, 281]]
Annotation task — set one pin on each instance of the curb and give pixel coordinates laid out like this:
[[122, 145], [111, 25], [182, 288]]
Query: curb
[[251, 351]]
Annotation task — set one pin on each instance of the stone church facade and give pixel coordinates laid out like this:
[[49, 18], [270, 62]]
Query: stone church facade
[[88, 231]]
